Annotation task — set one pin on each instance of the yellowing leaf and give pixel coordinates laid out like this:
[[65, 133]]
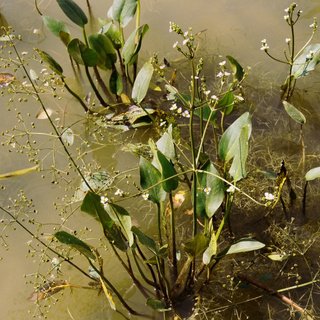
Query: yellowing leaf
[[108, 295], [18, 173], [41, 115], [125, 98], [6, 79]]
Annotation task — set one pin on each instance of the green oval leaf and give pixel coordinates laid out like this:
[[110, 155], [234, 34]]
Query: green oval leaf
[[244, 245], [123, 11], [156, 305], [141, 84], [149, 176], [133, 44], [238, 71], [294, 113], [54, 25], [51, 63], [167, 171], [81, 53], [107, 56], [75, 243], [65, 37], [313, 174], [112, 32], [196, 246], [73, 12], [115, 83], [304, 63]]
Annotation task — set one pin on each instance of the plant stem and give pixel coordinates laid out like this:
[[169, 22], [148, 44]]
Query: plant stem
[[173, 240], [36, 5], [103, 103], [86, 109], [159, 224]]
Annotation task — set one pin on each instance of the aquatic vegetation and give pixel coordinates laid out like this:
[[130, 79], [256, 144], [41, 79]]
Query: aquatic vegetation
[[174, 166]]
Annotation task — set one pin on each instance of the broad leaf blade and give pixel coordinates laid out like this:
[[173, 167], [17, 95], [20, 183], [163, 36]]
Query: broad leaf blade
[[149, 176], [211, 250], [294, 113], [196, 246], [54, 25], [238, 71], [52, 64], [122, 218], [81, 53], [304, 64], [156, 305], [112, 32], [141, 84], [91, 204], [75, 243], [73, 12], [102, 45], [167, 171], [124, 10], [115, 83], [245, 245], [313, 174]]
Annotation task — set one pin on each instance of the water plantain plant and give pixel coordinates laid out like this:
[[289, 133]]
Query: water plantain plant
[[171, 161]]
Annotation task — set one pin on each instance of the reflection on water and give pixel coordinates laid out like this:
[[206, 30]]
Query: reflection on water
[[232, 27]]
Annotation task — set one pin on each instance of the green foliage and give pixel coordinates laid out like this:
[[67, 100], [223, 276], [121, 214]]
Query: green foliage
[[141, 84], [75, 243], [238, 71], [54, 25], [116, 85], [82, 54], [196, 246], [313, 174], [156, 305], [294, 113], [73, 12], [234, 144], [51, 63], [123, 11]]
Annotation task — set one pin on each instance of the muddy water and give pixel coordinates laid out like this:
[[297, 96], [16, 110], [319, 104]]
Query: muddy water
[[232, 27]]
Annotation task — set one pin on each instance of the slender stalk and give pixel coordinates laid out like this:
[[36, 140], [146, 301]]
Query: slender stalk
[[159, 223], [115, 291], [103, 103], [86, 109], [173, 240], [289, 91], [36, 5]]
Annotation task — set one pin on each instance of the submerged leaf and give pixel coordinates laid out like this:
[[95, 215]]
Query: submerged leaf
[[68, 136], [196, 246], [41, 115], [269, 174], [108, 295], [245, 245], [313, 174], [75, 243], [156, 305], [294, 113]]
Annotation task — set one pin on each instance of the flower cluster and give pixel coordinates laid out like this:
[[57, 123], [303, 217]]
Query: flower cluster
[[231, 189], [104, 200], [119, 193], [264, 46]]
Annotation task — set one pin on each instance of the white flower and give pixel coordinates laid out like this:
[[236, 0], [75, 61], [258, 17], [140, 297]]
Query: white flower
[[186, 33], [286, 10], [37, 31], [264, 47], [174, 107], [55, 262], [264, 41], [207, 190], [222, 63], [163, 123], [175, 44], [288, 40], [119, 193], [43, 70], [207, 92], [220, 74], [214, 97], [186, 114], [13, 144], [227, 74], [286, 18], [196, 77], [231, 189], [185, 41], [104, 200], [240, 98], [145, 196], [310, 55], [170, 28], [24, 53], [269, 196], [162, 67], [52, 276], [179, 110]]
